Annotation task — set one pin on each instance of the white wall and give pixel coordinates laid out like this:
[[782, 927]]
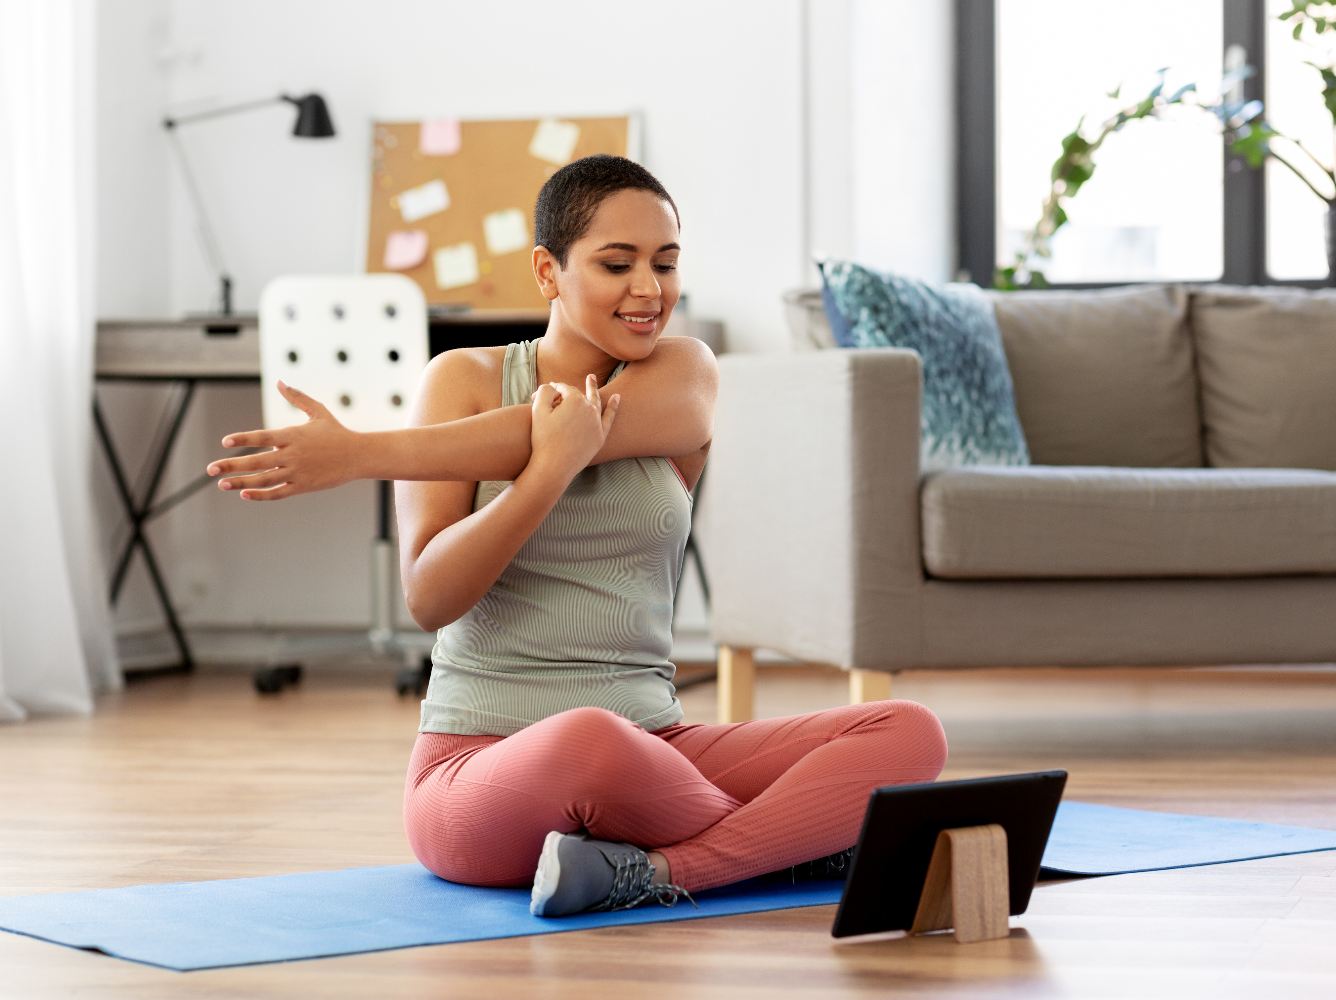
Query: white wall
[[749, 109]]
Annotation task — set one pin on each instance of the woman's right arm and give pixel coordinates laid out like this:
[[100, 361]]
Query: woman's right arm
[[450, 555]]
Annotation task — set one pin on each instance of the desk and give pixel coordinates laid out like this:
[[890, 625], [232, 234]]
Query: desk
[[212, 349]]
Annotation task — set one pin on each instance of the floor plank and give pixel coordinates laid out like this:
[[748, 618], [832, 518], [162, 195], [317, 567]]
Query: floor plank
[[183, 778]]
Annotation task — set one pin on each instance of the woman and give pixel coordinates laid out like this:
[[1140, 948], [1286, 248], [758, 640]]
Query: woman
[[542, 530]]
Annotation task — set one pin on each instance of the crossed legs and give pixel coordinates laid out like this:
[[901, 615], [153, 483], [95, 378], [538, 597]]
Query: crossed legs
[[720, 803]]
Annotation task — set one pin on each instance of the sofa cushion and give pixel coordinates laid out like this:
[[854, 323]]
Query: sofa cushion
[[1047, 521], [1267, 363], [968, 413], [1103, 376]]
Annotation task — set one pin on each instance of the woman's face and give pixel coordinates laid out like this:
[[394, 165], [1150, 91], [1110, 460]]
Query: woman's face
[[620, 282]]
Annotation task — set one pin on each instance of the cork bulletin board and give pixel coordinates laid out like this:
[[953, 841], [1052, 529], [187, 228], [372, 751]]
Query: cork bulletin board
[[452, 201]]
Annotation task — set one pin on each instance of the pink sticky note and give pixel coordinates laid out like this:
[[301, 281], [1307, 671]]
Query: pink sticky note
[[440, 137], [405, 248]]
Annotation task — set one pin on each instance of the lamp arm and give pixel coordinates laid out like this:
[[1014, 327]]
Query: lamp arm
[[171, 123], [205, 227]]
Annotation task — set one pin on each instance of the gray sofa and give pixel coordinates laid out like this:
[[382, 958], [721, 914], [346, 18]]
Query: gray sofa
[[1180, 507]]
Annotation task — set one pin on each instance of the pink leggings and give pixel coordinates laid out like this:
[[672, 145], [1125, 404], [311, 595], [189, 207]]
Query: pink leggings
[[721, 802]]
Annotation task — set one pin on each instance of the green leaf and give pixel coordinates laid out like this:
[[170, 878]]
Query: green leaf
[[1253, 143], [1178, 94]]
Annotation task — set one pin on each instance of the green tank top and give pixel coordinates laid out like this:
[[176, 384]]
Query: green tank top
[[583, 614]]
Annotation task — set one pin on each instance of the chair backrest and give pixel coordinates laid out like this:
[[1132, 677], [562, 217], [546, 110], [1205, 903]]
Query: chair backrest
[[356, 342]]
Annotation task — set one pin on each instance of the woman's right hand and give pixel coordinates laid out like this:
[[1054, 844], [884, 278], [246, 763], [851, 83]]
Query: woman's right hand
[[569, 428]]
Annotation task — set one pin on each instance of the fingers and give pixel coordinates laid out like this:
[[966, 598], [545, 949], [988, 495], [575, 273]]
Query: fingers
[[591, 391], [277, 493], [269, 477], [564, 389], [251, 439], [610, 413], [299, 399], [244, 463]]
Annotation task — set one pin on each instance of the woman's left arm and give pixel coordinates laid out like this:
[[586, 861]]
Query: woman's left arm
[[666, 408]]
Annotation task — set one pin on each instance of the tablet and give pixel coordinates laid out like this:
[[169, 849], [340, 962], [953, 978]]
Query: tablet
[[890, 862]]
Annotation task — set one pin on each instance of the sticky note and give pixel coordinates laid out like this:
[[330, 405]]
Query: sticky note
[[405, 248], [506, 231], [420, 202], [456, 265], [439, 137], [554, 141]]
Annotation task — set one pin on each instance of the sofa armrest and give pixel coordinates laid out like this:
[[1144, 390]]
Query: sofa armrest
[[812, 506]]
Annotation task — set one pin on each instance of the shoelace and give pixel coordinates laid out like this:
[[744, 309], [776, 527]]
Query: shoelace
[[822, 867], [633, 882]]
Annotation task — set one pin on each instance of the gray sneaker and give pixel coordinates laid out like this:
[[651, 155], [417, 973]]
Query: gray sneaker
[[576, 874]]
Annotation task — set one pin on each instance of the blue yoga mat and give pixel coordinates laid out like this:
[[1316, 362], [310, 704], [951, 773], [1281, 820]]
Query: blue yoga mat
[[204, 925], [1089, 839]]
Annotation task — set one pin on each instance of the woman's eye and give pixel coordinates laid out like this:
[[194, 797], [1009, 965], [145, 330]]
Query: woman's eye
[[622, 268]]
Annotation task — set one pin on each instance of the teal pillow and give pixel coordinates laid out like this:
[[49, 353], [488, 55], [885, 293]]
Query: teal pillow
[[969, 406]]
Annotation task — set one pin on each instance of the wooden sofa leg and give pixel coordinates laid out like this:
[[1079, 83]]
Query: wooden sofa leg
[[737, 683], [869, 685]]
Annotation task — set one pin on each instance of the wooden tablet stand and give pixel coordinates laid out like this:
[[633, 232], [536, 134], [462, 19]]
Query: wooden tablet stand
[[967, 886]]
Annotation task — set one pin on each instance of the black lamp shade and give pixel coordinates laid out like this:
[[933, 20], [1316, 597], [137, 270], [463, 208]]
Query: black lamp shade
[[313, 121]]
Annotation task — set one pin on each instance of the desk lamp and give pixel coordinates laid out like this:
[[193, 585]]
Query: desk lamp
[[313, 122]]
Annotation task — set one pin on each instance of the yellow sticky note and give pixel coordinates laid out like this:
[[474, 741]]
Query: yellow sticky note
[[554, 141], [506, 231], [456, 265], [424, 200]]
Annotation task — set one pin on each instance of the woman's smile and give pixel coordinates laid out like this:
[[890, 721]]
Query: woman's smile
[[642, 322]]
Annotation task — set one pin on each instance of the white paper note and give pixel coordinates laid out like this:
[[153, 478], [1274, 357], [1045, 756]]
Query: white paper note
[[554, 141], [506, 231], [420, 202], [456, 265]]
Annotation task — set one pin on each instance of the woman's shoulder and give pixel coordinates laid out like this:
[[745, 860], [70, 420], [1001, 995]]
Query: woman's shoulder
[[474, 371]]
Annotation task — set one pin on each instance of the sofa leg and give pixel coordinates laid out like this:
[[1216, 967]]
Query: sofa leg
[[737, 683], [869, 685]]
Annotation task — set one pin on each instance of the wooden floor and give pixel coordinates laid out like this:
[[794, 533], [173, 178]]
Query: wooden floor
[[198, 778]]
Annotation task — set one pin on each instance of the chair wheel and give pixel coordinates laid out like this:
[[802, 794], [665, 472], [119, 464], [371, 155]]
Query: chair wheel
[[413, 680], [272, 680]]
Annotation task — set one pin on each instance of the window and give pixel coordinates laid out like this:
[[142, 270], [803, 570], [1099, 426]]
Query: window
[[1138, 218], [1164, 202], [1295, 247]]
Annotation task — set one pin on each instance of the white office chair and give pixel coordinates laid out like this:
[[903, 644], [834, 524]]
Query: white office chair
[[357, 343]]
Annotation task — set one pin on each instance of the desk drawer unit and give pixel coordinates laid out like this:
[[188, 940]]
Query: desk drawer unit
[[216, 347]]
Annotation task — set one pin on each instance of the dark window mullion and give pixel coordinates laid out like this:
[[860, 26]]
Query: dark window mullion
[[976, 140], [1245, 188]]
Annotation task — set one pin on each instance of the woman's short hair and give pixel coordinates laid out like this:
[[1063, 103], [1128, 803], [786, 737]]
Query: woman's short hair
[[567, 202]]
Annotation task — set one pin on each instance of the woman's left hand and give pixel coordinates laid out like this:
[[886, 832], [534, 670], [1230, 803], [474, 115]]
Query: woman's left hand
[[317, 455]]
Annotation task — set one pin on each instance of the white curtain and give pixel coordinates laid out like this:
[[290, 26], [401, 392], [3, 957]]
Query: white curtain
[[57, 647]]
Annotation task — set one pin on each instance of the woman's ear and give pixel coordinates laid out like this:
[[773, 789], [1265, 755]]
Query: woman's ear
[[545, 272]]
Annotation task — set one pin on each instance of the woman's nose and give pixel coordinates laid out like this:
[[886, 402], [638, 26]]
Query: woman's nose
[[644, 285]]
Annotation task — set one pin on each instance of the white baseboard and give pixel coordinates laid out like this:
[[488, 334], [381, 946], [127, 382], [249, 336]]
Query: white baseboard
[[238, 646]]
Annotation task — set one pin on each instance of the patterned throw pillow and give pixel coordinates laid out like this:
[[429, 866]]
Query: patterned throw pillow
[[969, 408]]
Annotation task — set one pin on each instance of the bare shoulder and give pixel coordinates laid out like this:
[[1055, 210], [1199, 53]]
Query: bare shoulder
[[463, 377], [687, 356]]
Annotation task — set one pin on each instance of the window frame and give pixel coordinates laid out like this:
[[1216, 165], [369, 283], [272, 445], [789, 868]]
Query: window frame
[[1244, 218]]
